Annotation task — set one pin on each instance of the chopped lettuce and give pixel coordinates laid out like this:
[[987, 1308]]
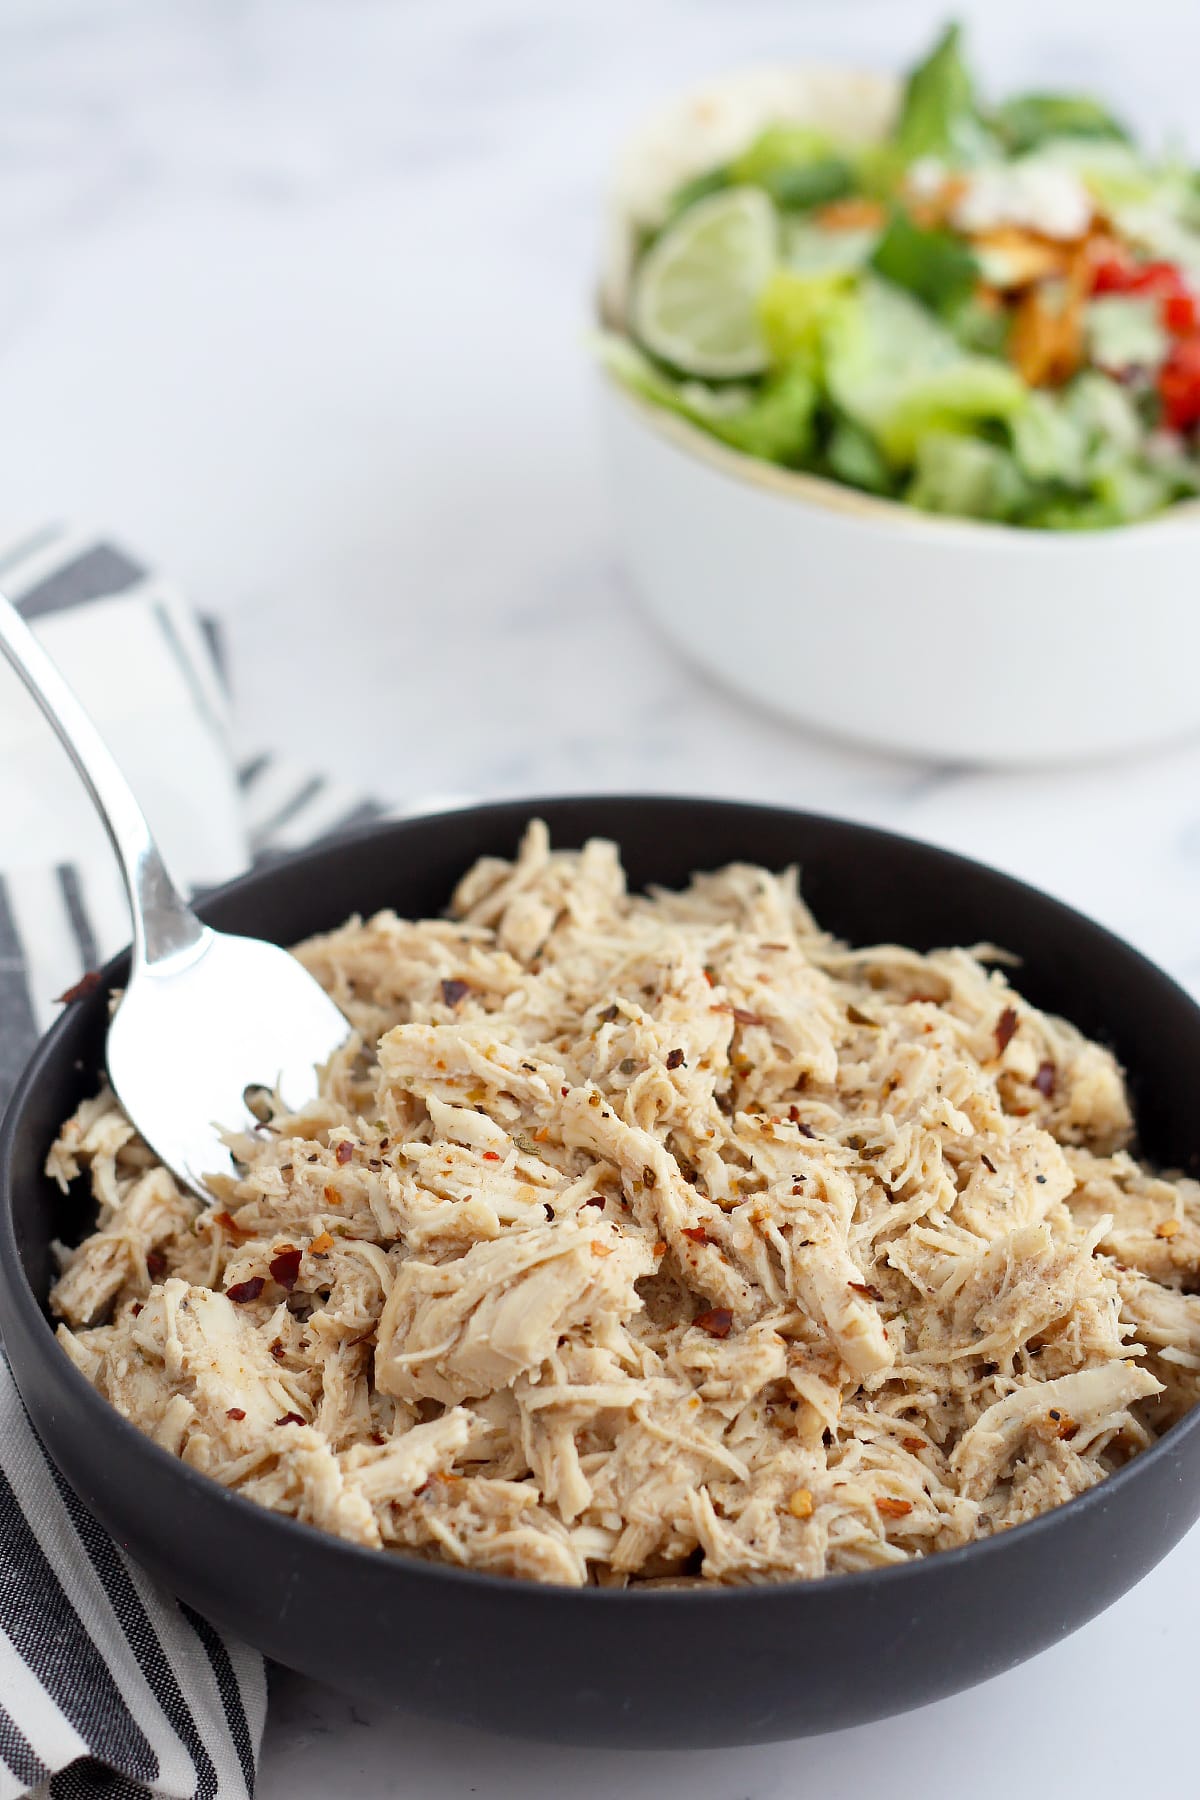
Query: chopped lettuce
[[774, 422], [1159, 228], [1049, 443], [979, 324], [853, 456], [778, 424], [898, 373], [1128, 489], [799, 168], [1104, 412], [1124, 331], [780, 147], [966, 476], [691, 400], [1179, 467], [1071, 512], [794, 311], [1114, 174], [810, 249]]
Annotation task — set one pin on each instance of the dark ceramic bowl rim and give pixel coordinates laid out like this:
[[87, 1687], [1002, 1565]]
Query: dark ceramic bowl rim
[[551, 1594]]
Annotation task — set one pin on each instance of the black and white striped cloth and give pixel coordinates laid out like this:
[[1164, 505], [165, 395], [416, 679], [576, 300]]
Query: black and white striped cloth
[[108, 1686]]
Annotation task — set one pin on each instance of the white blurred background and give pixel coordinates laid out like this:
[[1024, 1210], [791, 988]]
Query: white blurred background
[[294, 296]]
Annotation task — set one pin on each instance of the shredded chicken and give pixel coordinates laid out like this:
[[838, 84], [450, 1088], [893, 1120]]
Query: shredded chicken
[[652, 1238]]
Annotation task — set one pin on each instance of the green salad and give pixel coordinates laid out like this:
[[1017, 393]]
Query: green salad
[[991, 311]]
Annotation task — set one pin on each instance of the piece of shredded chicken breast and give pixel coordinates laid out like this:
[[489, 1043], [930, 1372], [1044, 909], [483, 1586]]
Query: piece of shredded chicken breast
[[652, 1238]]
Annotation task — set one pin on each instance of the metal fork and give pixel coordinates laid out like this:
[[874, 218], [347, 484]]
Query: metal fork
[[206, 1018]]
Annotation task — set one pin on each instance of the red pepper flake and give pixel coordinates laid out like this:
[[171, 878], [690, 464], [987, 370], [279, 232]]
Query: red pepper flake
[[696, 1234], [1046, 1080], [718, 1321], [243, 1291], [228, 1223], [344, 1151], [377, 1437], [915, 1444], [893, 1509], [710, 977], [285, 1266], [564, 1092], [491, 1156], [87, 984], [235, 1412], [862, 1287], [136, 1308], [1006, 1026], [1065, 1427], [291, 1419], [156, 1263], [454, 991], [675, 1059], [660, 1249]]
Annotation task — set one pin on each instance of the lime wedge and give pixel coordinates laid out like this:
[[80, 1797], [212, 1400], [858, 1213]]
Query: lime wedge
[[695, 299]]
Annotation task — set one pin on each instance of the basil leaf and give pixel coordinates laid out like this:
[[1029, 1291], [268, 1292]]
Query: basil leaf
[[936, 266], [1031, 119], [811, 184], [939, 115]]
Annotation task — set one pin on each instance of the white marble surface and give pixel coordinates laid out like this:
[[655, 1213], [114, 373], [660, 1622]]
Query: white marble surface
[[293, 298]]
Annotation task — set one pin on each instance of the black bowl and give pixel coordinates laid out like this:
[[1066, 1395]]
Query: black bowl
[[660, 1667]]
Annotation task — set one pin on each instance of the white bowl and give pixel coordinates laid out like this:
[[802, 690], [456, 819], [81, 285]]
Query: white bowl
[[939, 637]]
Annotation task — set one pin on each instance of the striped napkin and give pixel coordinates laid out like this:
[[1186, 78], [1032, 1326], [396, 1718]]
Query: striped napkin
[[108, 1686]]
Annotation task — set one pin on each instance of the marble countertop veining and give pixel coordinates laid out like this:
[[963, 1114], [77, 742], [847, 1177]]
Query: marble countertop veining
[[295, 298]]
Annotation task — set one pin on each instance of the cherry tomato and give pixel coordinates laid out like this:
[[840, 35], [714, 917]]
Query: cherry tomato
[[1179, 384], [1112, 276], [1180, 314], [1161, 281]]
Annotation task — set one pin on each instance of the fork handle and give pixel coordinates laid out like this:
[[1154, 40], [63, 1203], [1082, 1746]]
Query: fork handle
[[163, 922]]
